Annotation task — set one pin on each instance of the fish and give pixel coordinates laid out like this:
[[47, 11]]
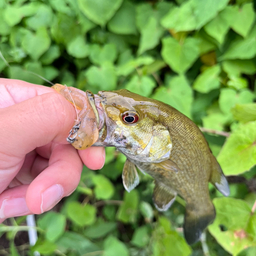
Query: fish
[[157, 140]]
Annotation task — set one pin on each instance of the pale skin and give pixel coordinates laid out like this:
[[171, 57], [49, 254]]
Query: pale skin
[[37, 165]]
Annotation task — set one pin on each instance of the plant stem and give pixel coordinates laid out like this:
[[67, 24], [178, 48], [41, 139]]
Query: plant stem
[[221, 133]]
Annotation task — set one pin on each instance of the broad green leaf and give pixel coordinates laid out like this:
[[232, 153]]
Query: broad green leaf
[[204, 44], [53, 224], [100, 55], [123, 21], [5, 29], [150, 35], [242, 48], [85, 23], [50, 55], [237, 82], [104, 189], [102, 78], [65, 28], [36, 44], [238, 154], [229, 98], [78, 48], [238, 67], [99, 11], [112, 246], [219, 26], [142, 85], [180, 55], [177, 93], [44, 247], [82, 215], [100, 229], [251, 251], [42, 18], [143, 13], [215, 121], [244, 112], [64, 6], [146, 211], [235, 217], [50, 72], [129, 209], [208, 80], [244, 18], [72, 241], [129, 66], [14, 14], [141, 237], [18, 72], [192, 14], [161, 237]]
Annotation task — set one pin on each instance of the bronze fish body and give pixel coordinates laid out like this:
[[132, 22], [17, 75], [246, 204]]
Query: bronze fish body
[[159, 141], [164, 143]]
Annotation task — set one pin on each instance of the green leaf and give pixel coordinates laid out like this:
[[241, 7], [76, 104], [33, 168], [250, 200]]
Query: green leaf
[[65, 28], [129, 209], [237, 83], [242, 48], [142, 85], [42, 18], [82, 215], [229, 98], [5, 29], [104, 189], [150, 35], [53, 224], [102, 78], [99, 11], [78, 48], [238, 154], [44, 247], [192, 14], [112, 246], [238, 67], [14, 14], [72, 241], [100, 229], [166, 241], [50, 55], [50, 72], [244, 112], [219, 26], [123, 22], [141, 237], [146, 211], [235, 217], [215, 121], [36, 44], [177, 93], [100, 55], [208, 80], [251, 251], [244, 18], [180, 56]]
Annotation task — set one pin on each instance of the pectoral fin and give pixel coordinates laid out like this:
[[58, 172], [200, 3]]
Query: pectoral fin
[[218, 179], [163, 197], [130, 176]]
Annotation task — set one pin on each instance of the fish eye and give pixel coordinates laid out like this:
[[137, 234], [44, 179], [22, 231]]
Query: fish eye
[[130, 117]]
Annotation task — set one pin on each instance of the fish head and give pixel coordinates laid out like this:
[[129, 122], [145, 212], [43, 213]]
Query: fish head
[[132, 124]]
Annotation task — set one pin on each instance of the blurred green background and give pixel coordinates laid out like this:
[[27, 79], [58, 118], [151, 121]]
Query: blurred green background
[[196, 55]]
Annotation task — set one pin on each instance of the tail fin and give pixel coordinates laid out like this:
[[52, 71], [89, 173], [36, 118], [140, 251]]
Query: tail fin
[[196, 220]]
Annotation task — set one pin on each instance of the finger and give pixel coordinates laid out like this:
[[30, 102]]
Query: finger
[[93, 157], [59, 179], [15, 91], [13, 203]]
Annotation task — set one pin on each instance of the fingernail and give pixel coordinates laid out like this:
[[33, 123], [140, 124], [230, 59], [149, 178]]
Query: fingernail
[[51, 196], [13, 207]]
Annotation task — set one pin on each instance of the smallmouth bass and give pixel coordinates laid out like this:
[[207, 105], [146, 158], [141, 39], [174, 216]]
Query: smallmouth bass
[[158, 140]]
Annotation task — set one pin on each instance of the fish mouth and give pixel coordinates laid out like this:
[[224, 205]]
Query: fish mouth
[[98, 109]]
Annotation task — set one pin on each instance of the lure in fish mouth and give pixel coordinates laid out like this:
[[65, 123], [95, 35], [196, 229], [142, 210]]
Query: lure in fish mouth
[[158, 140]]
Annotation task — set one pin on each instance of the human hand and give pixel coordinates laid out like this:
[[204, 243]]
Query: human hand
[[37, 166]]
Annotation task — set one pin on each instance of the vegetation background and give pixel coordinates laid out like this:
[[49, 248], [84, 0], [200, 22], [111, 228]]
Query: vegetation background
[[199, 57]]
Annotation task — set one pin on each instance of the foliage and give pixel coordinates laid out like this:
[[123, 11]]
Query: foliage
[[199, 56]]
